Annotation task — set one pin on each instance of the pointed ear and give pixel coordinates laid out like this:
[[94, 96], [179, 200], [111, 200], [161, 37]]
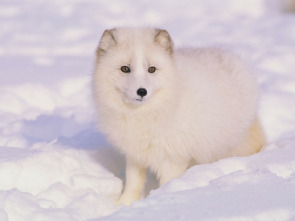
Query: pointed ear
[[106, 42], [162, 38]]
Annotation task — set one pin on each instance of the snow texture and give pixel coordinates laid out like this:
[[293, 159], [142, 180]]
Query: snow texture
[[54, 165]]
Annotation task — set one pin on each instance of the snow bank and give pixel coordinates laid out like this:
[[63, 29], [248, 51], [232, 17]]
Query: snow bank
[[54, 182], [54, 165], [259, 187]]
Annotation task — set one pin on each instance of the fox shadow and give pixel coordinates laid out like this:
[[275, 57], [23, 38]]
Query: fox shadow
[[84, 136]]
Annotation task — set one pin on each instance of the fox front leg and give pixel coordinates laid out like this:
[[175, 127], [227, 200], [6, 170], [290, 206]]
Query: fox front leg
[[135, 182]]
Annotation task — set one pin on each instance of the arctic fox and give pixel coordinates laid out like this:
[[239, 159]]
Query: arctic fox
[[168, 109]]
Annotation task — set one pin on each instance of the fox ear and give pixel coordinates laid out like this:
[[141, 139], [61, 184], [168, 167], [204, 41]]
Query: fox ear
[[162, 38], [107, 41]]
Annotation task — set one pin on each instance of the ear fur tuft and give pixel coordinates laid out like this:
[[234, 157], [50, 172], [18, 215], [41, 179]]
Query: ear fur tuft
[[106, 42], [163, 38]]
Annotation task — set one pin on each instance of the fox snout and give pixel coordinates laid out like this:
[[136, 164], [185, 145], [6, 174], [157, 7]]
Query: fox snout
[[141, 92]]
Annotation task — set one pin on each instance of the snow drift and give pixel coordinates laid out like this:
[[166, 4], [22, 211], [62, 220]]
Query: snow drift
[[54, 165]]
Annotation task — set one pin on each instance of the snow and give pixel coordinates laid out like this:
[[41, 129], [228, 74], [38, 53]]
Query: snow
[[54, 164]]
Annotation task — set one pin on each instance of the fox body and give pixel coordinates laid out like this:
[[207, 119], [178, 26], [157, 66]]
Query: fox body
[[168, 109]]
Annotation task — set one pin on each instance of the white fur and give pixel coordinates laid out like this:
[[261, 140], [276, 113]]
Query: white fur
[[200, 105]]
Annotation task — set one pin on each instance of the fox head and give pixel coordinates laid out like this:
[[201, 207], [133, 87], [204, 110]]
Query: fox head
[[134, 66]]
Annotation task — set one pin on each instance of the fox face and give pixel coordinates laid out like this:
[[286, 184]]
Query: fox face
[[135, 65]]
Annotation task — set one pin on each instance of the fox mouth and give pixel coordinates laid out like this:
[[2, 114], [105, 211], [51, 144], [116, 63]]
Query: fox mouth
[[134, 100]]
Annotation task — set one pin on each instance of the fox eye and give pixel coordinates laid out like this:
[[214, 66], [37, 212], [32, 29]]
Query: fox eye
[[125, 69], [151, 69]]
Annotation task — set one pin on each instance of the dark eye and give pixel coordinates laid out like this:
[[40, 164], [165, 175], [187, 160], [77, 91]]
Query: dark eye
[[125, 69], [151, 69]]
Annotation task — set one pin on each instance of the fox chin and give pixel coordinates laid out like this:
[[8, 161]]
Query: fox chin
[[167, 109]]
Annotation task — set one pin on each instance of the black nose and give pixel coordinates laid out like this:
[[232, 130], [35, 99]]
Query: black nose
[[141, 92]]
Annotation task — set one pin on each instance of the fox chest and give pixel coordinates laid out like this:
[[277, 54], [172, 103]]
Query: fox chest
[[139, 137]]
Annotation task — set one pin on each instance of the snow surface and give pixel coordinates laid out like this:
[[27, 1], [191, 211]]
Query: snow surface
[[54, 165]]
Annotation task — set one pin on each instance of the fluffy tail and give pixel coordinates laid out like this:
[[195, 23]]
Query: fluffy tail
[[254, 141]]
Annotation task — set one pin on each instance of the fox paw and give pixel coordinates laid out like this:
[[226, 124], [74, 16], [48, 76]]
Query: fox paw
[[126, 200]]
